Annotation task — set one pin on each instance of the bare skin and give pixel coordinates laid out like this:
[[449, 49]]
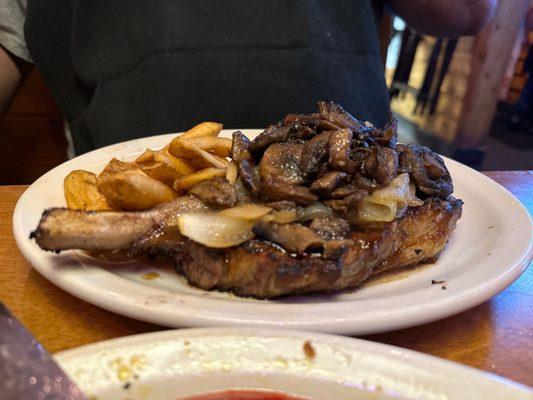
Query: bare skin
[[449, 18]]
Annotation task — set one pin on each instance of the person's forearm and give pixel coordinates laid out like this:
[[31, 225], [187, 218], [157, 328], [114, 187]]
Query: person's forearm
[[450, 18], [11, 76]]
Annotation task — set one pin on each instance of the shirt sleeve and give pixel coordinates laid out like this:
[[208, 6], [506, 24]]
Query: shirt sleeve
[[12, 17]]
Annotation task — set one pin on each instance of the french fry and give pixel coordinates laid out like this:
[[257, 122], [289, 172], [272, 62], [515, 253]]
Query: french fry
[[163, 166], [221, 160], [196, 155], [81, 192], [164, 150], [214, 145], [203, 129], [125, 186], [198, 158], [145, 157], [181, 167], [182, 148], [231, 173], [181, 185]]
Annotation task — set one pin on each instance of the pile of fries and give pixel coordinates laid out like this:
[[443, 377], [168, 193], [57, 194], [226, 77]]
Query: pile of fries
[[156, 176]]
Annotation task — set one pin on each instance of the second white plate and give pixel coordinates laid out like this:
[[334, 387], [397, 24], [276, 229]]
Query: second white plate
[[173, 364], [489, 249]]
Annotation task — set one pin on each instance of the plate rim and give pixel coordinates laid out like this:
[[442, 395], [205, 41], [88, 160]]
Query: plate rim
[[440, 308]]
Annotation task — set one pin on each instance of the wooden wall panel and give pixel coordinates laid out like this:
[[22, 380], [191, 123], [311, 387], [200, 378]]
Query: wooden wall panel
[[443, 123], [491, 54]]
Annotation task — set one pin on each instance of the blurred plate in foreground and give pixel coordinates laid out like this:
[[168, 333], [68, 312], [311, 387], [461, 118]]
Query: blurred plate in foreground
[[174, 364]]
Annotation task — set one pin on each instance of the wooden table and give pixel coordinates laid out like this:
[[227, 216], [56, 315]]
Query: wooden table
[[496, 336]]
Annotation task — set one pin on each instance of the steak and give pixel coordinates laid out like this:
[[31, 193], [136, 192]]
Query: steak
[[319, 169], [264, 270], [259, 268]]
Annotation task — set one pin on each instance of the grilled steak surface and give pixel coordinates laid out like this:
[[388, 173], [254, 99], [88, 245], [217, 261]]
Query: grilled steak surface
[[262, 269], [321, 167]]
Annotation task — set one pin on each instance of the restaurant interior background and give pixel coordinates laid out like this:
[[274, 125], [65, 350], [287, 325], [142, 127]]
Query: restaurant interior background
[[457, 96]]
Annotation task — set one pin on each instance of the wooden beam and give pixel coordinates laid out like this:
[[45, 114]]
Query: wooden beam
[[491, 52]]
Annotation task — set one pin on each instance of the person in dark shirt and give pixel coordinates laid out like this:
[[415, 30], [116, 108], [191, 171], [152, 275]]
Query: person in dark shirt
[[126, 69]]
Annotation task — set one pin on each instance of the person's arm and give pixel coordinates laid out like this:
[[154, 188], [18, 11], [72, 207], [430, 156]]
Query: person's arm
[[450, 18], [13, 71]]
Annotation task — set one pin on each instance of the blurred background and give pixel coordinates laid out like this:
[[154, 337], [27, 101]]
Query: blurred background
[[470, 99]]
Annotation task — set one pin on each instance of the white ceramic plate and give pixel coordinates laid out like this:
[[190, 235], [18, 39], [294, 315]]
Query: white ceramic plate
[[489, 249], [172, 364]]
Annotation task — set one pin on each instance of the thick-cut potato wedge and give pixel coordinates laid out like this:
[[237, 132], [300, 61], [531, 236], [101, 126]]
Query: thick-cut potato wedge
[[163, 166], [203, 129], [81, 192], [231, 173], [115, 165], [181, 185], [126, 187], [214, 145], [195, 156]]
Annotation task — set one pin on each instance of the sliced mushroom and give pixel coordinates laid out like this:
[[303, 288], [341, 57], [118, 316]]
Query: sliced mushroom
[[276, 133], [387, 136], [275, 189], [330, 228], [326, 125], [343, 191], [216, 192], [302, 132], [362, 182], [335, 114], [305, 119], [239, 147], [314, 154], [339, 148], [294, 238], [387, 165], [345, 205], [433, 167], [249, 175], [427, 169], [299, 239], [281, 205], [282, 160], [358, 156], [328, 182]]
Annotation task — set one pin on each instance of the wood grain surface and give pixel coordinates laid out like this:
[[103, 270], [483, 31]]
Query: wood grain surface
[[496, 336]]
